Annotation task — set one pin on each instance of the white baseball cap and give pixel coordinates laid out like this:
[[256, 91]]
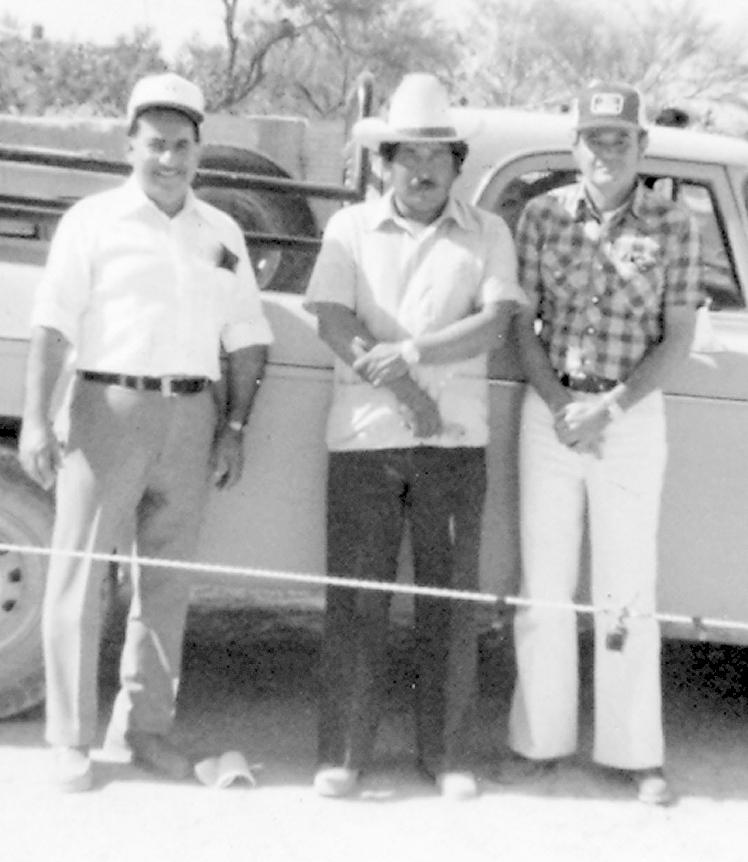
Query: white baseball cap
[[166, 90]]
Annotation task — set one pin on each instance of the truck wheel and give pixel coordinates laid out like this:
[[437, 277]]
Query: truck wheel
[[26, 516], [276, 268]]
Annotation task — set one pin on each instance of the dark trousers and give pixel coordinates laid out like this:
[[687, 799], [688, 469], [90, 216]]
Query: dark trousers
[[369, 497]]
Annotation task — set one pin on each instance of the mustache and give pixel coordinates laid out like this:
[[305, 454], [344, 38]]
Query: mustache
[[422, 183]]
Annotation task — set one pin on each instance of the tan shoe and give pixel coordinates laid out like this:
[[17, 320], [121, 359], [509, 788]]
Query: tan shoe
[[72, 770], [156, 753], [335, 781]]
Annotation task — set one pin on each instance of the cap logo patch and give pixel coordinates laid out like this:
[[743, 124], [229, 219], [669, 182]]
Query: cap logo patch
[[607, 104]]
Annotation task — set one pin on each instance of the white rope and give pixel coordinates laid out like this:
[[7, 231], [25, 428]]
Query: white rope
[[312, 579]]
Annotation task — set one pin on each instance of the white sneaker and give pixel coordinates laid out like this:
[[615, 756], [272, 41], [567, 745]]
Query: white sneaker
[[73, 771], [457, 785], [335, 781]]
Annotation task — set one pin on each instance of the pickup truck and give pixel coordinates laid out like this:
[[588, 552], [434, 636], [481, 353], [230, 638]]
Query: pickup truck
[[273, 521]]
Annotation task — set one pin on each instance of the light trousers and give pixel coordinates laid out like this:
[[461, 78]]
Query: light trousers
[[620, 495], [129, 455]]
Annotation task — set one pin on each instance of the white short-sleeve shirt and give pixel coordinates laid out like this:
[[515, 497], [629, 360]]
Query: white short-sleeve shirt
[[136, 292], [402, 283]]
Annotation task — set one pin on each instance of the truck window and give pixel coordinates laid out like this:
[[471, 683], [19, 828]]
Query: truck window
[[24, 238], [718, 273], [21, 228], [717, 268]]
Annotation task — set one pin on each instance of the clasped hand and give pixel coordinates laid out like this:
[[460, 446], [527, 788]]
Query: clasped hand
[[580, 425], [382, 364]]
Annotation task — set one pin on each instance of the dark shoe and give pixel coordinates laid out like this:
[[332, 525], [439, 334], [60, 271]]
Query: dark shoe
[[156, 754], [73, 771], [335, 781], [457, 785], [652, 787], [516, 769]]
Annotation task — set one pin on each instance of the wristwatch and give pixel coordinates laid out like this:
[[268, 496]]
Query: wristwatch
[[614, 410], [236, 425], [409, 352]]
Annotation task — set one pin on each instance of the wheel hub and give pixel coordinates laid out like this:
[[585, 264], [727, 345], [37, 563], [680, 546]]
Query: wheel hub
[[11, 594]]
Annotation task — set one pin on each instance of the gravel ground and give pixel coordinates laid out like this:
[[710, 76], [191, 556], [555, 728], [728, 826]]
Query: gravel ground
[[249, 685]]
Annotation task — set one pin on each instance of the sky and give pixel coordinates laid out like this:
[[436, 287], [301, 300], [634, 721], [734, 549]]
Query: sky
[[174, 21]]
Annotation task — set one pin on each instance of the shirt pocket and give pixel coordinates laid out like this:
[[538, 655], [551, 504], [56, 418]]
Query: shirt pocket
[[639, 286], [207, 293]]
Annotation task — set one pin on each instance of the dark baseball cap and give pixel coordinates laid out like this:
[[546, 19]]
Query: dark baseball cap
[[609, 105]]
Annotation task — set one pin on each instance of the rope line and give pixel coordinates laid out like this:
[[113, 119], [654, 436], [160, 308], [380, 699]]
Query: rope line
[[313, 579]]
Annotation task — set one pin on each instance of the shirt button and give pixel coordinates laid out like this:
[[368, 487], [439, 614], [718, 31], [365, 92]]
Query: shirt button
[[590, 330], [595, 300]]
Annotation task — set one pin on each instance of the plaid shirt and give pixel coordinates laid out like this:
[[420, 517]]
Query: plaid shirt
[[600, 288]]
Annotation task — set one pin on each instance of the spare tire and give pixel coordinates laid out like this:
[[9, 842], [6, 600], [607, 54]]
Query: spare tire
[[284, 269]]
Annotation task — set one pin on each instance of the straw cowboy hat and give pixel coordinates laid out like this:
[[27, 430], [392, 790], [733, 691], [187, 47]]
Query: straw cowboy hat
[[419, 113]]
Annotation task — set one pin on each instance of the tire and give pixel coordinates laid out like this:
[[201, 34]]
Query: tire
[[26, 517], [282, 269]]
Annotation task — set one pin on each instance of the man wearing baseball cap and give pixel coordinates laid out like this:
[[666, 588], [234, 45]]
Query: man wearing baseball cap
[[612, 272], [411, 291], [143, 285]]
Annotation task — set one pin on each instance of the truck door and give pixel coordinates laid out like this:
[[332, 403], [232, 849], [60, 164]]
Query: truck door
[[703, 540]]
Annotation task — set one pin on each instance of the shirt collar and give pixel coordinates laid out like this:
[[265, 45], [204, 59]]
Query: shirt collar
[[580, 207], [133, 198], [455, 211]]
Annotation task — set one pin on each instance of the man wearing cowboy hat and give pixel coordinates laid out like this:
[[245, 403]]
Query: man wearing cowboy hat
[[143, 285], [612, 272], [411, 292]]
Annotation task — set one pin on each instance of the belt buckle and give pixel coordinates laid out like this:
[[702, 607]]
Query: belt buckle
[[166, 384]]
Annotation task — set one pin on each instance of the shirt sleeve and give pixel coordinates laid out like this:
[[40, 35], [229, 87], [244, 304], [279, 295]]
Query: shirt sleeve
[[684, 263], [246, 324], [528, 243], [65, 288], [333, 278], [500, 273]]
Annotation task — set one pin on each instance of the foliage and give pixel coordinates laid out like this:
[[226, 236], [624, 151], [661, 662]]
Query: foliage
[[303, 56], [42, 76], [538, 52]]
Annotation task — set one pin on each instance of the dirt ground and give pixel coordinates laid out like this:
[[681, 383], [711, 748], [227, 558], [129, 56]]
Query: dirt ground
[[249, 685]]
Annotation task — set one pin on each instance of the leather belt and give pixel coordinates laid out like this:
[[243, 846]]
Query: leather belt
[[588, 383], [165, 385]]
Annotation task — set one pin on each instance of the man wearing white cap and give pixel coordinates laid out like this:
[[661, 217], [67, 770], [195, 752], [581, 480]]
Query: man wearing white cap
[[612, 272], [411, 292], [143, 285]]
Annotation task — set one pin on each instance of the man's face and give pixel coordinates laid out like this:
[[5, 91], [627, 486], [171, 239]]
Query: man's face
[[164, 154], [421, 176], [609, 159]]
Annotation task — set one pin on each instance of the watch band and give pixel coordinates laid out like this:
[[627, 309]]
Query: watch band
[[615, 411]]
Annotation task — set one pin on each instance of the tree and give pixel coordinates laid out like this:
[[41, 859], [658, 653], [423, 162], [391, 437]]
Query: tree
[[45, 76], [305, 55], [230, 73], [538, 52]]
